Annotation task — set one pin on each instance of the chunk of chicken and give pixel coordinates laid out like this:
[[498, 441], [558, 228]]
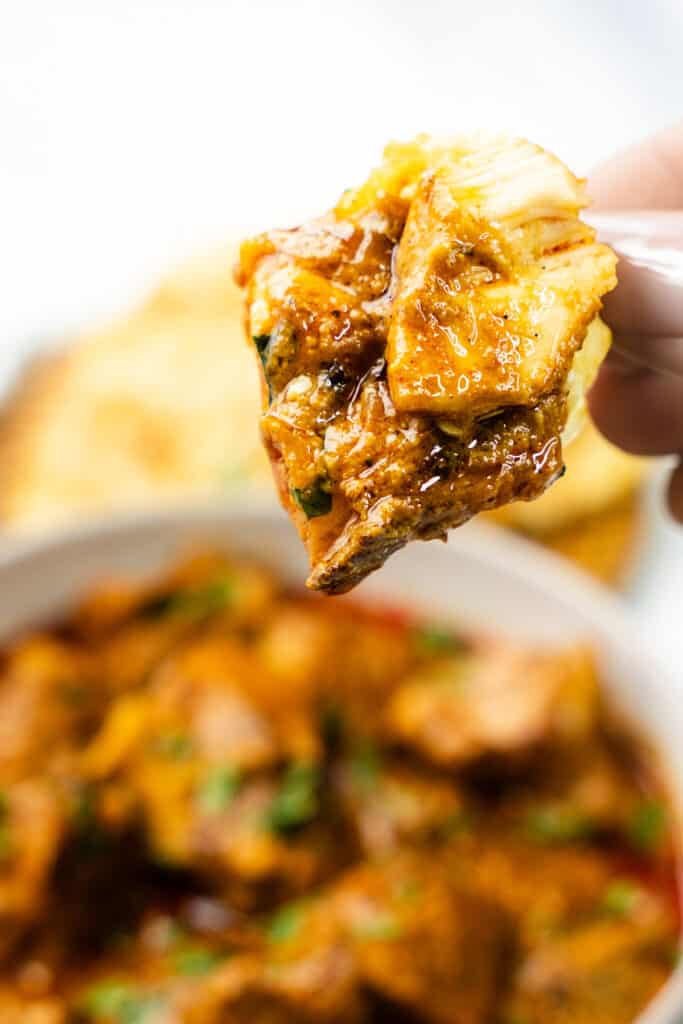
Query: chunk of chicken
[[499, 702], [398, 928], [421, 942], [424, 345], [306, 973], [389, 804], [49, 698], [223, 773], [14, 1009], [603, 970], [507, 868], [32, 826]]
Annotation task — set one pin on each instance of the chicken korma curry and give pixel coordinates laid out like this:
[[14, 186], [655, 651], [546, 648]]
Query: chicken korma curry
[[224, 802], [425, 345]]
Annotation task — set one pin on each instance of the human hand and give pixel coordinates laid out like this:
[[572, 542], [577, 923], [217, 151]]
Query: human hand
[[637, 400]]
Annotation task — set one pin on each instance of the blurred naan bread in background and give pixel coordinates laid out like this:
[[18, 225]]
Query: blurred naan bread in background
[[163, 404]]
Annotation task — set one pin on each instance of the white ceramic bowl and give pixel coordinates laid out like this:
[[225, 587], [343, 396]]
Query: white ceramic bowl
[[482, 577]]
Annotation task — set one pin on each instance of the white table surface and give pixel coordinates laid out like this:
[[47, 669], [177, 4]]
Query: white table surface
[[133, 132]]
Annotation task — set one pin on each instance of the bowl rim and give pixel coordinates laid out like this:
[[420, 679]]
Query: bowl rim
[[524, 556]]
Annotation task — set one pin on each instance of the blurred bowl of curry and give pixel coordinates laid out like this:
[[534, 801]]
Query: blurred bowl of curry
[[162, 404], [454, 795]]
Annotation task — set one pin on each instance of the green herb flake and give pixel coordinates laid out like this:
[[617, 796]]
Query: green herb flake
[[5, 841], [648, 826], [381, 927], [176, 746], [218, 789], [286, 923], [74, 694], [195, 961], [262, 341], [193, 603], [201, 602], [621, 898], [332, 725], [92, 838], [459, 823], [315, 500], [83, 812], [434, 640], [121, 1004], [516, 1018], [366, 766], [408, 891], [296, 802], [557, 825]]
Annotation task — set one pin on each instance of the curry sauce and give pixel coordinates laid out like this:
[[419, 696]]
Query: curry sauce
[[226, 802]]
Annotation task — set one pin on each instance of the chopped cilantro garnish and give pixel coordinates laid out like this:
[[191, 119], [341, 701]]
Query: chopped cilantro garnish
[[408, 891], [73, 693], [456, 824], [315, 500], [366, 765], [193, 603], [121, 1004], [557, 825], [435, 639], [286, 922], [174, 745], [296, 802], [647, 826], [332, 725], [200, 602], [194, 961], [91, 836], [621, 897], [262, 341], [277, 352], [218, 789], [382, 927], [673, 954], [5, 841], [83, 807]]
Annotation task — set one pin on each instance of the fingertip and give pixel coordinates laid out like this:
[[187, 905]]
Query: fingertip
[[606, 404], [675, 493], [638, 410]]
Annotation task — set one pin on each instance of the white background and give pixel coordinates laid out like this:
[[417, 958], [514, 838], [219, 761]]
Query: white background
[[132, 133]]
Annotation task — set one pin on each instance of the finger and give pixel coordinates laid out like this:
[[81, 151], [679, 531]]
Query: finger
[[649, 296], [665, 355], [646, 176], [676, 493], [639, 410]]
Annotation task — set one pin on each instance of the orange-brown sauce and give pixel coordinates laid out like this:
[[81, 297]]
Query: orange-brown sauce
[[222, 801]]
